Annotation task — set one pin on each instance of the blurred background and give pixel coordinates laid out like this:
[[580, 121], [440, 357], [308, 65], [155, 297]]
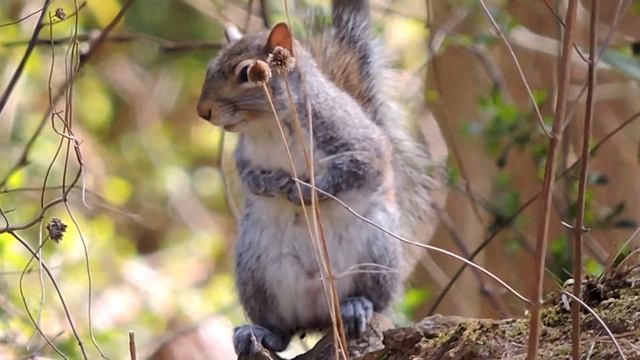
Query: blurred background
[[151, 217]]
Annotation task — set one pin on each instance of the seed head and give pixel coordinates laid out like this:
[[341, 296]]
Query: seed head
[[259, 72], [60, 14], [281, 60], [56, 229]]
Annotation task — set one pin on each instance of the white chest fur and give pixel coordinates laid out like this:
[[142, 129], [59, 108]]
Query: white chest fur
[[291, 263]]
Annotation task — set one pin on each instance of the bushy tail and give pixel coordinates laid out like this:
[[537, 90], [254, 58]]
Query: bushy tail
[[349, 57]]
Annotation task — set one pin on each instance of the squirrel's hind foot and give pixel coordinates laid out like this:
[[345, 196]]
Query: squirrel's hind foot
[[251, 339], [356, 314]]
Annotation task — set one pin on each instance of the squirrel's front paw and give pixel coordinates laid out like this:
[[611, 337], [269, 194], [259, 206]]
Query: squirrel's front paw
[[264, 182], [251, 339], [293, 194], [356, 314]]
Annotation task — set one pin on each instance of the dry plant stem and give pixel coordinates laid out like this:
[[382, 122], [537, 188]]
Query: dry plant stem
[[163, 44], [517, 63], [338, 326], [21, 19], [133, 354], [35, 322], [18, 72], [22, 159], [579, 228], [446, 127], [89, 281], [621, 250], [548, 184], [424, 246], [495, 300], [520, 210], [599, 319], [56, 287], [323, 260]]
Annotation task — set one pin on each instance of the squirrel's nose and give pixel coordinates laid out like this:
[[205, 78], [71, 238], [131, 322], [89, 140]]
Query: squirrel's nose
[[204, 108]]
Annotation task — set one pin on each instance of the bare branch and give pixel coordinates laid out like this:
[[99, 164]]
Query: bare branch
[[582, 186], [18, 72], [163, 44]]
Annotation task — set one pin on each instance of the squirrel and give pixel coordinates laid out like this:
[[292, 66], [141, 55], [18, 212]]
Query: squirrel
[[363, 155]]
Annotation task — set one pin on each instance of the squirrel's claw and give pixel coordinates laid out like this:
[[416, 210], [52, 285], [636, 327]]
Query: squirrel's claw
[[356, 314], [251, 339]]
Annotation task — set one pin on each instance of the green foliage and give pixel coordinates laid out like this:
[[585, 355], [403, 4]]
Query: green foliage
[[561, 263], [414, 298]]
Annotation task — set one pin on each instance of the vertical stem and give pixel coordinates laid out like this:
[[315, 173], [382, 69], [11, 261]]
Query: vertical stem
[[548, 184], [4, 98], [582, 187]]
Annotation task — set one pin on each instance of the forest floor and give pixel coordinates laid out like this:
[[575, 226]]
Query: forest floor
[[615, 297]]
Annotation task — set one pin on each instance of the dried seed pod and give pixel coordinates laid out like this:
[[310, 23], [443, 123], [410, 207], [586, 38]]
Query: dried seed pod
[[60, 14], [281, 60], [259, 72], [56, 229]]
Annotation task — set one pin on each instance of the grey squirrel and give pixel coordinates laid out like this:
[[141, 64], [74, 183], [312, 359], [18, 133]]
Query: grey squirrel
[[363, 154]]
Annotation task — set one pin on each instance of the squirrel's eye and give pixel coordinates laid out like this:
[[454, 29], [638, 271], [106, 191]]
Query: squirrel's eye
[[243, 75], [241, 71]]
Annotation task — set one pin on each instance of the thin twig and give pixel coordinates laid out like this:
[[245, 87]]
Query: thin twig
[[22, 18], [133, 354], [599, 319], [578, 231], [18, 72], [337, 323], [22, 159], [518, 67], [163, 44], [496, 301], [55, 286], [506, 223], [35, 322], [414, 243], [75, 12], [548, 184], [446, 127], [321, 256]]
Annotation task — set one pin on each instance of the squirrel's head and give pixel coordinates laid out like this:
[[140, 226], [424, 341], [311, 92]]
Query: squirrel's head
[[231, 96]]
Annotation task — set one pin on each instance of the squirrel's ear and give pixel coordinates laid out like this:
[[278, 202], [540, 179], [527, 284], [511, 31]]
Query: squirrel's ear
[[232, 33], [280, 36]]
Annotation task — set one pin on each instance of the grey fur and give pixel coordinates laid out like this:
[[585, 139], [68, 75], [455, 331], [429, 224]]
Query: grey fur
[[362, 155]]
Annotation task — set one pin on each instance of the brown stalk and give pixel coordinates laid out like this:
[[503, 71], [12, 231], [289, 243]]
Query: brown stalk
[[518, 67], [323, 260], [506, 223], [35, 322], [34, 254], [22, 159], [579, 228], [548, 184], [576, 300], [447, 131], [163, 44], [415, 243], [339, 334], [338, 326], [18, 72], [133, 353]]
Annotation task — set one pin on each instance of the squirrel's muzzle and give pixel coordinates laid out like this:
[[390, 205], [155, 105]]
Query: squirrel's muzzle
[[205, 108]]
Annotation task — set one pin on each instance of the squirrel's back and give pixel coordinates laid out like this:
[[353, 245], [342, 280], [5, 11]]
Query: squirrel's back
[[348, 56]]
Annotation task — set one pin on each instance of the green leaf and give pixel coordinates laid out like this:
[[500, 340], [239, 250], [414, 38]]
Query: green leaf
[[593, 267], [413, 299]]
